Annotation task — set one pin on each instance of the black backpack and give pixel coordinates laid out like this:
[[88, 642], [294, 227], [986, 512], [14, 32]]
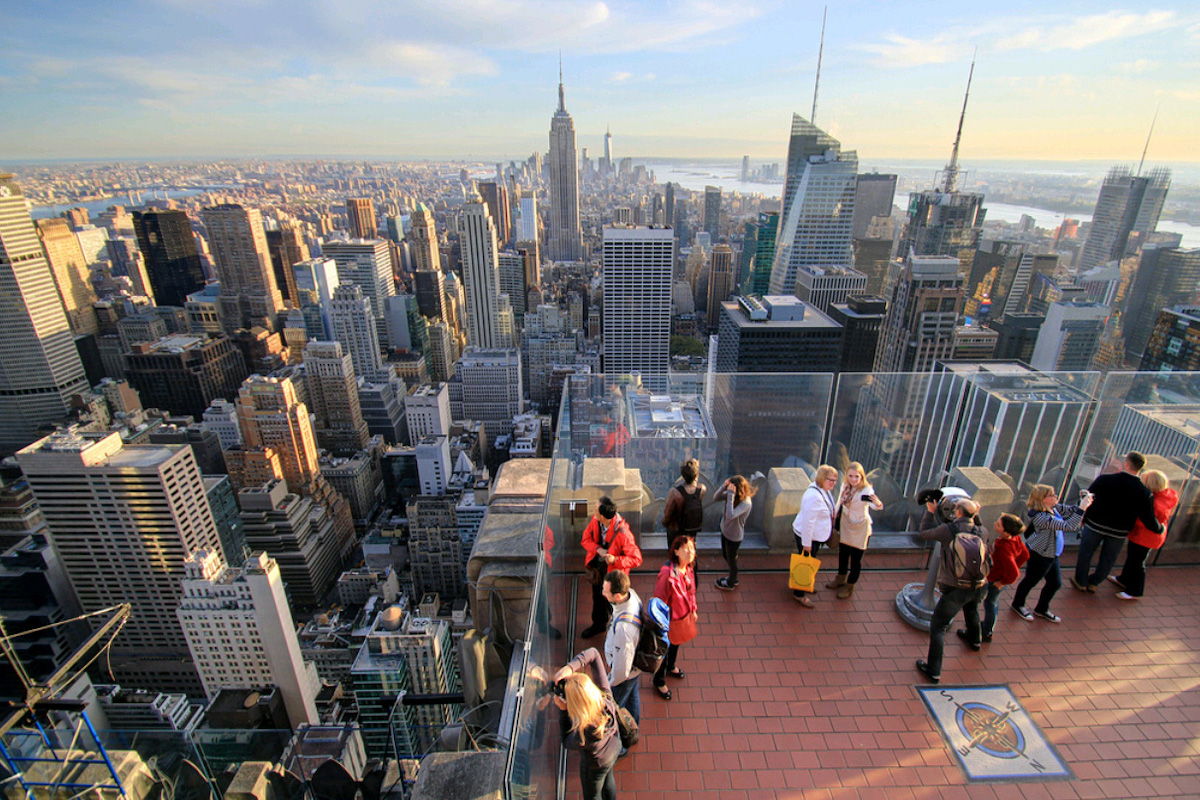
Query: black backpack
[[652, 640]]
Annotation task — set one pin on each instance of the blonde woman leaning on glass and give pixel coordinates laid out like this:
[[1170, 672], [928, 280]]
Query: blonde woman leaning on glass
[[853, 518]]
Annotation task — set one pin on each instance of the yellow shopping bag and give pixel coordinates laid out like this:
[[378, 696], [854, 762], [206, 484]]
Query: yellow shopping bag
[[802, 574]]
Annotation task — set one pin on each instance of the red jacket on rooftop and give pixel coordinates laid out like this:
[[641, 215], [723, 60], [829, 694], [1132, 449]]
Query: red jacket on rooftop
[[622, 545]]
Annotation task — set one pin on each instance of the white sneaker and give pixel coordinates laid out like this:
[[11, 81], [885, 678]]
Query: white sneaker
[[1125, 596]]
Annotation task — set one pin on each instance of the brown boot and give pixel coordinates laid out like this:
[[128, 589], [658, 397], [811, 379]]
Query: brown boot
[[837, 582], [846, 590]]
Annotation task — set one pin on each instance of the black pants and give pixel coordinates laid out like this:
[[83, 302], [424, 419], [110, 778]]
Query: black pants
[[729, 549], [849, 560], [816, 548], [601, 608], [668, 664], [1133, 574], [1039, 567], [951, 602], [597, 782]]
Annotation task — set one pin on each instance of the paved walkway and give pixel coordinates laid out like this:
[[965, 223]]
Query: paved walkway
[[783, 702]]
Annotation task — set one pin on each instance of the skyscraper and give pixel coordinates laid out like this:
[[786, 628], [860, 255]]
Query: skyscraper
[[71, 274], [367, 263], [921, 315], [495, 197], [360, 212], [944, 221], [172, 258], [183, 373], [424, 240], [249, 294], [481, 273], [240, 631], [874, 195], [1128, 205], [123, 520], [288, 248], [816, 220], [1166, 276], [333, 397], [764, 251], [720, 282], [637, 268], [712, 211], [39, 365], [566, 236], [354, 325], [492, 389]]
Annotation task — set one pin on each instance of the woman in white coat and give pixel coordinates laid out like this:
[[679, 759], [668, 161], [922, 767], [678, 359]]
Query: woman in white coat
[[854, 504], [814, 523]]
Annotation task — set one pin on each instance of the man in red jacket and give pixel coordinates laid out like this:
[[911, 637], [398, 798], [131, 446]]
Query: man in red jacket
[[608, 545]]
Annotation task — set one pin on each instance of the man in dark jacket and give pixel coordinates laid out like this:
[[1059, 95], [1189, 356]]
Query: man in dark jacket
[[954, 598], [1121, 499]]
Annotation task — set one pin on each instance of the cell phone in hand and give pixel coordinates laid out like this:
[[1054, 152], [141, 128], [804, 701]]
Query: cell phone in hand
[[868, 496]]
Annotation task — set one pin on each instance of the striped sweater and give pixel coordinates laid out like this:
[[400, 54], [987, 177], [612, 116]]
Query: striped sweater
[[1047, 525]]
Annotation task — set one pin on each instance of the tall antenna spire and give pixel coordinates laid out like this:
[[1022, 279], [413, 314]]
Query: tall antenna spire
[[952, 168], [1148, 135], [820, 53], [562, 99]]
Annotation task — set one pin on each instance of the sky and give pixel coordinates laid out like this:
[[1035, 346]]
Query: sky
[[477, 79]]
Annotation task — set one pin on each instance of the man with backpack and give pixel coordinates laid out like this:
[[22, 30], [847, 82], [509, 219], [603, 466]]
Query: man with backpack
[[620, 645], [962, 577]]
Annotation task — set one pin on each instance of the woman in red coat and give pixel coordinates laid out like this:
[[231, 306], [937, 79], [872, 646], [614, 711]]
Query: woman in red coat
[[676, 586], [1132, 580]]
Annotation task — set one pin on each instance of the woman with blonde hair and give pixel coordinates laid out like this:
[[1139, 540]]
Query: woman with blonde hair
[[1049, 520], [853, 522], [589, 722], [737, 492], [1132, 580], [814, 524]]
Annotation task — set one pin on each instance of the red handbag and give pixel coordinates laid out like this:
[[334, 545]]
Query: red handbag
[[682, 631]]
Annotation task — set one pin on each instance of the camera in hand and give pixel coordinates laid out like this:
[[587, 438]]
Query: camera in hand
[[868, 497], [560, 689]]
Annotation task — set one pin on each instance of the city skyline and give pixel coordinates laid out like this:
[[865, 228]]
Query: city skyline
[[160, 79]]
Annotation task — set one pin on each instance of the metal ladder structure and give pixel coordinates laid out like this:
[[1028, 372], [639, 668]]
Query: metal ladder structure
[[37, 745]]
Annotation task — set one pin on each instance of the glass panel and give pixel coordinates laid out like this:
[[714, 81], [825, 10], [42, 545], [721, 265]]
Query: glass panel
[[1157, 414], [900, 427]]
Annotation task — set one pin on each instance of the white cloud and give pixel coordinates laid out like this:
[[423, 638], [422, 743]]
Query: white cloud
[[1031, 33], [903, 51], [1138, 66], [431, 64], [1082, 32]]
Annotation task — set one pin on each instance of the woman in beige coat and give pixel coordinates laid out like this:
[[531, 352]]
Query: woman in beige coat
[[855, 501]]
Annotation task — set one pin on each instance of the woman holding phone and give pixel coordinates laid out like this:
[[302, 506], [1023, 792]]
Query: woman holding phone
[[852, 519]]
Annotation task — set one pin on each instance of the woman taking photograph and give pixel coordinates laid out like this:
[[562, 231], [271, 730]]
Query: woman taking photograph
[[1050, 520], [676, 586], [1132, 580], [589, 722], [737, 492], [853, 521]]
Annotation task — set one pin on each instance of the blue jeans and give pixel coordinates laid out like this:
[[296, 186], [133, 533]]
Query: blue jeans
[[1038, 567], [1110, 548], [952, 601], [627, 696], [991, 606]]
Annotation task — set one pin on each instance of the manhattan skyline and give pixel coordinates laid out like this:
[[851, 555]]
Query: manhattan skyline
[[462, 79]]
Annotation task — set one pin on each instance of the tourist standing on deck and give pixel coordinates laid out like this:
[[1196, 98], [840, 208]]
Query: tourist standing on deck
[[1050, 520], [852, 520], [676, 586], [1132, 580], [814, 524], [684, 509], [737, 492], [608, 545], [1121, 500]]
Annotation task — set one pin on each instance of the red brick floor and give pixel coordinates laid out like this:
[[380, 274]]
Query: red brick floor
[[781, 702]]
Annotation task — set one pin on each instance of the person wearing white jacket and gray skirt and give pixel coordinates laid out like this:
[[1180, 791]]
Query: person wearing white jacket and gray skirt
[[814, 524], [737, 492]]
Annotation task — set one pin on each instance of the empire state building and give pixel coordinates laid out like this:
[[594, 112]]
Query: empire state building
[[566, 239]]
